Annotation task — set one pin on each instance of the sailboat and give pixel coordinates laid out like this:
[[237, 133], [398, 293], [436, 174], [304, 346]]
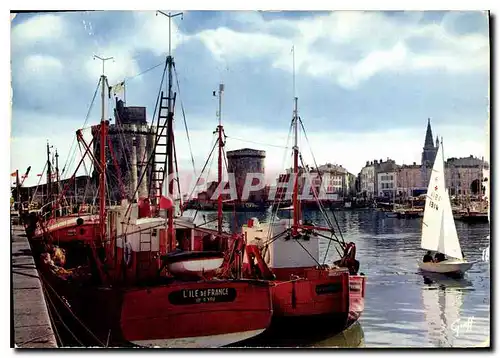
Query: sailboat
[[438, 226]]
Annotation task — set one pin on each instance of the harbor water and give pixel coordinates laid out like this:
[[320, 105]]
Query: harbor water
[[404, 308]]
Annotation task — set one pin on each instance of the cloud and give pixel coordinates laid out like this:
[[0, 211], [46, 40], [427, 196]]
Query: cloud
[[367, 81], [383, 44], [38, 28]]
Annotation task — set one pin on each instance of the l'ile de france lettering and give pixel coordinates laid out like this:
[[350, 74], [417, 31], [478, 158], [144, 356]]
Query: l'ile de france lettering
[[207, 292]]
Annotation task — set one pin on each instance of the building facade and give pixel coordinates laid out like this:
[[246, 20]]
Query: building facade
[[409, 180], [367, 181], [464, 176], [386, 184], [385, 177]]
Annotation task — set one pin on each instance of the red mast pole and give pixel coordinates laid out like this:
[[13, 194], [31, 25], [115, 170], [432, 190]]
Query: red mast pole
[[219, 171], [102, 149], [102, 180], [171, 242], [296, 214]]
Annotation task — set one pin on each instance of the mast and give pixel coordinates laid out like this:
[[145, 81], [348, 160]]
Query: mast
[[102, 152], [170, 132], [219, 166], [296, 214], [57, 172], [295, 170], [49, 175]]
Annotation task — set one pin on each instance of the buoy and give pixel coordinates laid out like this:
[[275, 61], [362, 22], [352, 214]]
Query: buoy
[[166, 203]]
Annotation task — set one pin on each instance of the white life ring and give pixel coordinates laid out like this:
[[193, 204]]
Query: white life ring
[[127, 254]]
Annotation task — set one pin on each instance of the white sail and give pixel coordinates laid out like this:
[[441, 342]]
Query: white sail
[[438, 227], [449, 243], [431, 223]]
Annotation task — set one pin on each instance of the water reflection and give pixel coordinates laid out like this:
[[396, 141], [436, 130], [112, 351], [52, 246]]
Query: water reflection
[[352, 337], [448, 325], [403, 308]]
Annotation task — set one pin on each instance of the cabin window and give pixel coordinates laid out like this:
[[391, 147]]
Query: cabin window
[[154, 232]]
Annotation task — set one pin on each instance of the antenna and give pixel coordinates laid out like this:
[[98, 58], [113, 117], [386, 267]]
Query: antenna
[[103, 61], [170, 16], [293, 68]]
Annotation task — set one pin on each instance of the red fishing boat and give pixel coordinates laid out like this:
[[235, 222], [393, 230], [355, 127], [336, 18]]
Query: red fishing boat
[[145, 277], [305, 291], [57, 221]]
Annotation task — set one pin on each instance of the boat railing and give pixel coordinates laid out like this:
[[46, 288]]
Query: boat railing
[[69, 210]]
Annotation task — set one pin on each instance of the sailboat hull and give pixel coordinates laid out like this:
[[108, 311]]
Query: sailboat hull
[[451, 267]]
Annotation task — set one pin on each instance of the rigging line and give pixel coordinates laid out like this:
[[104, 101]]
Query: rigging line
[[321, 178], [333, 214], [185, 122], [61, 319], [274, 212], [52, 320], [260, 143], [157, 140], [268, 242], [39, 180], [177, 174], [46, 282], [320, 205], [326, 252], [84, 123], [143, 72], [201, 173], [331, 240], [204, 167], [298, 242]]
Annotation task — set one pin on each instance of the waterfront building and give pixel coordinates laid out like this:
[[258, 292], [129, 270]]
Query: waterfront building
[[465, 175], [409, 180], [367, 181], [385, 177]]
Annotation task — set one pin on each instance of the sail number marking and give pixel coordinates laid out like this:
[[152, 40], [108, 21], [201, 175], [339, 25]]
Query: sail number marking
[[435, 198]]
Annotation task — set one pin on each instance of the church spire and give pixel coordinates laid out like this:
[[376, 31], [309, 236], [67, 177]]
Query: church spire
[[429, 142], [437, 141]]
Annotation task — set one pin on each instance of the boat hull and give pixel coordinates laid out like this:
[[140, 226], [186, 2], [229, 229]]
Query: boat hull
[[197, 315], [300, 305], [449, 267], [357, 284], [69, 228], [174, 315], [478, 218]]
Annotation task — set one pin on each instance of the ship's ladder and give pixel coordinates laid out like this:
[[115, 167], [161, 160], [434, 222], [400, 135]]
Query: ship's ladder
[[160, 149]]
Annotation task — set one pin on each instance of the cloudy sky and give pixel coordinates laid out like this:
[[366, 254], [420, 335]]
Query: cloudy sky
[[366, 81]]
